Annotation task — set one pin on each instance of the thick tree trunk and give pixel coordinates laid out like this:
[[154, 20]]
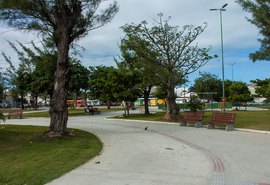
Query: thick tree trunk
[[172, 112], [146, 96], [58, 105]]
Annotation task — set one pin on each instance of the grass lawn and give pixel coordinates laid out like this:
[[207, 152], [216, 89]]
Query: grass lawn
[[72, 112], [28, 158], [259, 120]]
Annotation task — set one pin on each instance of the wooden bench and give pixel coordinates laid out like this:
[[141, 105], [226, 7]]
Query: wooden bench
[[15, 113], [92, 110], [222, 118], [195, 117]]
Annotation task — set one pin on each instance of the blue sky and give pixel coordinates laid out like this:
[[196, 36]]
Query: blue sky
[[240, 37]]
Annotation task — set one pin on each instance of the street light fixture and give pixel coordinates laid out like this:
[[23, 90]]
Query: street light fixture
[[222, 56]]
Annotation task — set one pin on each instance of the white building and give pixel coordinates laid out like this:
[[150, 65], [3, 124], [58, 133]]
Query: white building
[[252, 89]]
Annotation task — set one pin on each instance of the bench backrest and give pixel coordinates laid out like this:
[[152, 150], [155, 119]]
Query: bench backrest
[[193, 116], [223, 117], [15, 112]]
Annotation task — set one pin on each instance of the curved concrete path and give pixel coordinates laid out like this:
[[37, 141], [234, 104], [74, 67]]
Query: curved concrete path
[[167, 154]]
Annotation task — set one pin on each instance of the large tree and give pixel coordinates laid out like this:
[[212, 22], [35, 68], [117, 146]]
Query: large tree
[[21, 77], [65, 21], [111, 84], [239, 92], [103, 82], [171, 52], [260, 10], [133, 61], [208, 86], [38, 64]]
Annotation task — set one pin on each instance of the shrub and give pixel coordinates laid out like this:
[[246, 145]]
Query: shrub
[[195, 104]]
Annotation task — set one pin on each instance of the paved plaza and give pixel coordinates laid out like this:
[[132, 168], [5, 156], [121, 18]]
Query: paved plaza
[[166, 154]]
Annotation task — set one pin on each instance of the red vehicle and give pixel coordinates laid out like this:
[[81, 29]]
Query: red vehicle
[[79, 103]]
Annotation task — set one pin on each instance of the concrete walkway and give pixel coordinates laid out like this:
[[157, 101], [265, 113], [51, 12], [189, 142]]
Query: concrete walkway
[[167, 154]]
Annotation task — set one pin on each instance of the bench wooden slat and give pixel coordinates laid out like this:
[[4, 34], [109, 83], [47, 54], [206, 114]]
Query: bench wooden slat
[[222, 118], [196, 117], [14, 113]]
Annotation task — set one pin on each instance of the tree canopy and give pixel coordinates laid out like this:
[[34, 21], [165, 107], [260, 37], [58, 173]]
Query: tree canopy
[[132, 61], [171, 53], [110, 84], [263, 88], [64, 21], [208, 83], [260, 10], [239, 92]]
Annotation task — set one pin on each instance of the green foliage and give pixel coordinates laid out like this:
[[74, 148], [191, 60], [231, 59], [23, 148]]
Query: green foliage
[[102, 83], [110, 84], [239, 92], [159, 46], [79, 76], [44, 16], [132, 60], [160, 92], [208, 83], [260, 10], [195, 104], [263, 88], [64, 22], [2, 117], [168, 51], [36, 70], [129, 85]]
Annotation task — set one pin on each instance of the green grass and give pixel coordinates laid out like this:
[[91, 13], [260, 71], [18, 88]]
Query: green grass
[[259, 120], [28, 158], [72, 112]]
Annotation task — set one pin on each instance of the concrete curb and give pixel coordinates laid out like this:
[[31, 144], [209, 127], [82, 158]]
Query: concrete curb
[[143, 121], [174, 123], [252, 130]]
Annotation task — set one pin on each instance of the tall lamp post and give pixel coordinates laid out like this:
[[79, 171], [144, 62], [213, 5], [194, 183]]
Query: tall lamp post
[[232, 64], [222, 56]]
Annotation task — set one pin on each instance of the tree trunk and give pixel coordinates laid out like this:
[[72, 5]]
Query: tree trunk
[[36, 102], [172, 112], [22, 98], [75, 100], [127, 107], [58, 105], [146, 95], [108, 105]]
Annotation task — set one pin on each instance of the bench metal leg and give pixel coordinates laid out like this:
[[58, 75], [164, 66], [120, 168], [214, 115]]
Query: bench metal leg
[[198, 124], [229, 127], [211, 126], [183, 123]]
